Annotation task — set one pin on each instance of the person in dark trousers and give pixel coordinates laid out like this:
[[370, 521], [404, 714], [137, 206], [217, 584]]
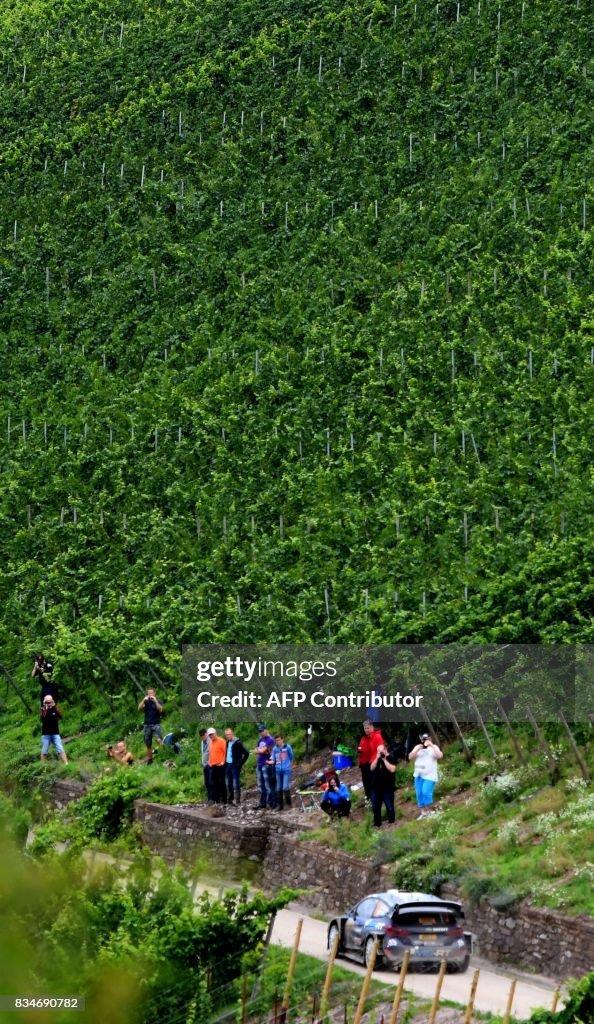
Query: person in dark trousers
[[204, 749], [172, 739], [264, 769], [50, 729], [366, 750], [336, 802], [383, 785], [153, 710], [217, 753], [282, 758], [43, 672], [235, 759]]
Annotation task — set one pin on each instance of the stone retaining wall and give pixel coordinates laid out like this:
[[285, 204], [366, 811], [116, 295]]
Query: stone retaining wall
[[534, 938], [234, 849], [333, 880], [64, 791]]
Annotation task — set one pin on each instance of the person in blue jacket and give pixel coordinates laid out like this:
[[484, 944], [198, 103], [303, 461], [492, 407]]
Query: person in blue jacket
[[282, 758], [336, 801]]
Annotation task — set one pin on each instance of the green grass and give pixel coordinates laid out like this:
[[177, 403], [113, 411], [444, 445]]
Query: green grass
[[536, 844]]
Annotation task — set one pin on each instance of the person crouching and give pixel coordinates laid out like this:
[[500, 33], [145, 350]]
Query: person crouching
[[336, 802]]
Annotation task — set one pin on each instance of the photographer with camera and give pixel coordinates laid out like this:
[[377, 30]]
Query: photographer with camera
[[120, 753], [38, 666], [336, 802], [50, 729], [152, 721], [383, 785], [425, 755], [42, 671]]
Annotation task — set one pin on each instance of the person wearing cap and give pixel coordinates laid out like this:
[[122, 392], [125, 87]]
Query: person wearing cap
[[50, 729], [265, 769], [425, 755], [204, 749], [217, 754], [282, 758]]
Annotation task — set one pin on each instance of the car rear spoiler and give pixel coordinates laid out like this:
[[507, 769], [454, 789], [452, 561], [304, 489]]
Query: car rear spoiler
[[430, 908]]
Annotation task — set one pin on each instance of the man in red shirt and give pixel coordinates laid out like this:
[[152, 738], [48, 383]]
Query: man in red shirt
[[367, 750]]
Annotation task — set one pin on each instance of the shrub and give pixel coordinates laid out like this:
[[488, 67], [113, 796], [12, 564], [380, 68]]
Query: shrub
[[579, 1008], [428, 865], [108, 806], [509, 832], [504, 900], [477, 888], [576, 784], [545, 825], [15, 822], [501, 789]]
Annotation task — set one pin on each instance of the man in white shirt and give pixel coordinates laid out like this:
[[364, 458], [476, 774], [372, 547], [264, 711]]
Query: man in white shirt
[[425, 755]]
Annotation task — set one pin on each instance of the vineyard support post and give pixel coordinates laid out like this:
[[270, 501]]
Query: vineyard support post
[[292, 964], [366, 983], [399, 987], [516, 745], [474, 706], [574, 747]]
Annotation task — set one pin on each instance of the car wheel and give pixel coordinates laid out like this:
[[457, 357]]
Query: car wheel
[[333, 931], [368, 950], [460, 968]]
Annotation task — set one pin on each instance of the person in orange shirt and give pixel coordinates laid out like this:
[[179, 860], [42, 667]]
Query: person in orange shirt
[[217, 755]]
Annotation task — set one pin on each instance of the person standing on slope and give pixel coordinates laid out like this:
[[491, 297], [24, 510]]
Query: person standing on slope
[[367, 749], [50, 729], [282, 758], [383, 785], [425, 755]]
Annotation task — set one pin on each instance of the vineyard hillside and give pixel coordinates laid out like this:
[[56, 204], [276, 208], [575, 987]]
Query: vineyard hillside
[[296, 314]]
